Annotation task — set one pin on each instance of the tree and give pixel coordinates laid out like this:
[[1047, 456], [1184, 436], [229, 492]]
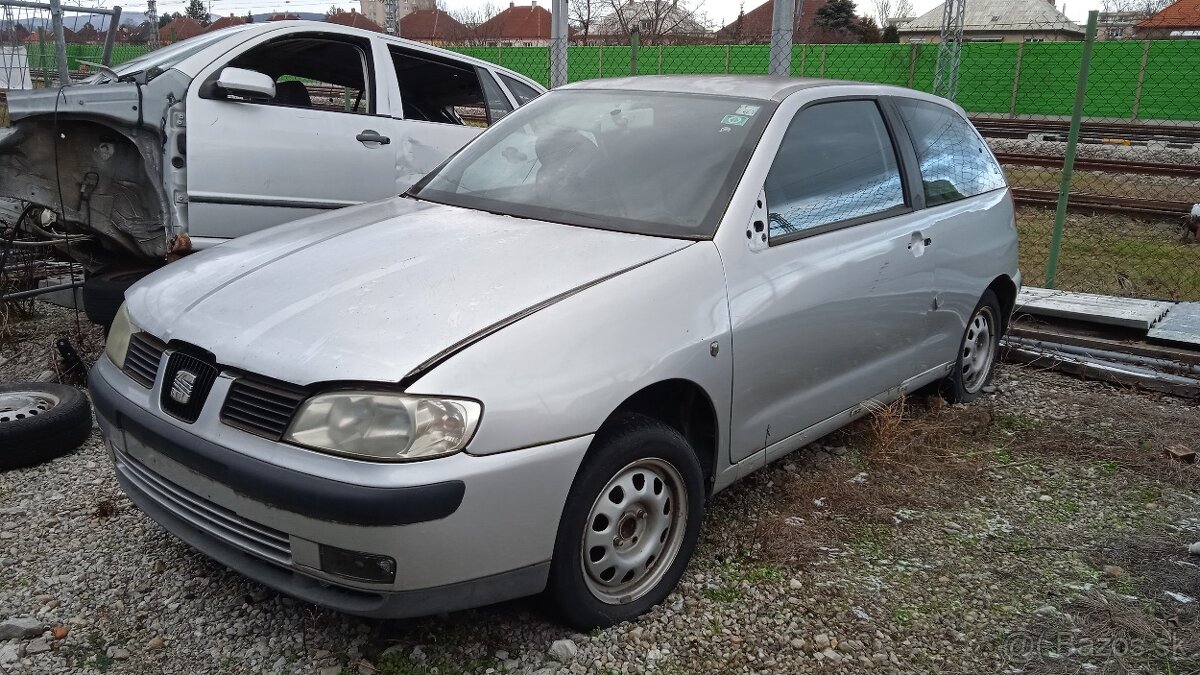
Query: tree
[[890, 34], [583, 14], [197, 10], [887, 11], [167, 18], [334, 11], [836, 15], [654, 19], [1141, 7], [249, 17], [868, 31], [473, 17]]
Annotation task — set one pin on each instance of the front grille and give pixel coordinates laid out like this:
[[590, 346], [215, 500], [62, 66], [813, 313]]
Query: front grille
[[202, 514], [186, 384], [261, 408], [142, 358]]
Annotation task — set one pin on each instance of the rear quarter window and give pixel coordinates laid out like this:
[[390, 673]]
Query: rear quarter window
[[955, 163]]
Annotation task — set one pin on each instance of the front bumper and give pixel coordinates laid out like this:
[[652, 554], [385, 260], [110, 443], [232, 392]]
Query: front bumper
[[464, 531]]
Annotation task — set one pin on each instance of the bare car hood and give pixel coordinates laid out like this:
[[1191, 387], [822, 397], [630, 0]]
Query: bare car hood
[[372, 292]]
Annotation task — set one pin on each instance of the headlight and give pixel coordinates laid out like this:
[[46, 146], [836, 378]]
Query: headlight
[[383, 425], [117, 343]]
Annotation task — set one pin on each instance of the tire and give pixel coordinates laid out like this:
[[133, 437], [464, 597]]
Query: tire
[[976, 362], [103, 293], [40, 421], [649, 529]]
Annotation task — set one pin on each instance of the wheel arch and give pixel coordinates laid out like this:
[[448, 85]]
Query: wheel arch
[[684, 406], [1005, 290]]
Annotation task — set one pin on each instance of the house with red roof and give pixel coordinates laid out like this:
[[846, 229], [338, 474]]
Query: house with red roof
[[517, 26], [225, 22], [754, 27], [178, 29], [354, 20], [433, 26], [1179, 20]]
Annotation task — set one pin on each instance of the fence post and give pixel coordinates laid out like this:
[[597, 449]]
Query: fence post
[[60, 43], [1012, 103], [727, 59], [1137, 96], [114, 20], [601, 60], [1064, 189], [782, 23], [660, 58], [914, 53], [558, 43], [822, 61], [634, 40]]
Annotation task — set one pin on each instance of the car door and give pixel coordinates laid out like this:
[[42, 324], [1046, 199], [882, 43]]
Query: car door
[[317, 144], [829, 298], [440, 104], [968, 216]]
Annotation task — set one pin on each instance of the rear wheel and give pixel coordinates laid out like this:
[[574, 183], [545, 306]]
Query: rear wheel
[[977, 352], [103, 293], [629, 526]]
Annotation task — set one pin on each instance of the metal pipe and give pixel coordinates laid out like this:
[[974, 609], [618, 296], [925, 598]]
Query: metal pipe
[[1104, 354], [40, 291], [111, 36], [66, 8], [60, 44], [1127, 369], [782, 23], [1064, 189]]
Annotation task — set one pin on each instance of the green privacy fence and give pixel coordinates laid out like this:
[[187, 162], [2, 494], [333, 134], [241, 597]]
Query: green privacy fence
[[1013, 78], [1152, 80]]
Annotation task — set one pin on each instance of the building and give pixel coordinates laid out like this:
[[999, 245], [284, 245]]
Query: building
[[517, 26], [998, 21], [433, 26], [225, 22], [376, 10], [754, 27], [657, 22], [1180, 20], [1117, 25], [354, 20], [283, 16], [178, 29]]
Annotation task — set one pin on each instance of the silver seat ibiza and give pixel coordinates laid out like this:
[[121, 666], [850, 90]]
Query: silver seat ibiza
[[531, 371]]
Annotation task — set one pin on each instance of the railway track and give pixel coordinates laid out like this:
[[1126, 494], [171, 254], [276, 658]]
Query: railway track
[[1183, 135], [1161, 208], [1099, 164]]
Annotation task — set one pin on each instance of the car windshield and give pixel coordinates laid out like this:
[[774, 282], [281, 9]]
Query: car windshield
[[653, 163], [159, 61]]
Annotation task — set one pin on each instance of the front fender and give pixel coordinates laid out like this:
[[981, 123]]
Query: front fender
[[560, 372]]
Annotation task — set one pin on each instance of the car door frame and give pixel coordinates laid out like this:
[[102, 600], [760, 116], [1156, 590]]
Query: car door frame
[[738, 225], [207, 73]]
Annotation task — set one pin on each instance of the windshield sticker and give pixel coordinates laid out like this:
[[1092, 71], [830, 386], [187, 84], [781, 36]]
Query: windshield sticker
[[736, 120], [747, 110]]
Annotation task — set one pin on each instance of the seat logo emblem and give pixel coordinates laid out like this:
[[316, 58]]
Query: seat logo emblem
[[181, 387]]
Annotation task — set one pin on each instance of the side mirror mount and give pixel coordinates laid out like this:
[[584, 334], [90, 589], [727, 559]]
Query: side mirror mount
[[249, 84], [756, 229]]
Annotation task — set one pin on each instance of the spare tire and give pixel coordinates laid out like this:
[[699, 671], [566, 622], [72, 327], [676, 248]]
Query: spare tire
[[103, 293], [40, 421]]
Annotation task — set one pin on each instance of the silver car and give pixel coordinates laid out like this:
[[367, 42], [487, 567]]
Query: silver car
[[530, 372]]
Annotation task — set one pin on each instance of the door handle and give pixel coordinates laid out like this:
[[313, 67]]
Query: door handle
[[372, 136]]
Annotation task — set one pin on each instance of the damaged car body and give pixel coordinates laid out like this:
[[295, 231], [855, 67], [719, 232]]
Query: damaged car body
[[237, 130]]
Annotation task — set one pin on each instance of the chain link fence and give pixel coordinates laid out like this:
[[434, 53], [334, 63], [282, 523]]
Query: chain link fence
[[1136, 168]]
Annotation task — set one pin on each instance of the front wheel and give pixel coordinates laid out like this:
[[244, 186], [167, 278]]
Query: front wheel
[[977, 352], [629, 526]]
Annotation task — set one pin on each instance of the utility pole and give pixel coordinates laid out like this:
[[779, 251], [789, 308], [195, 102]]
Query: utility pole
[[152, 19]]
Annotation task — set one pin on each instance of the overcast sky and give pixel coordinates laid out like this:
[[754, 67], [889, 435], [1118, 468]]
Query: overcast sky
[[719, 12]]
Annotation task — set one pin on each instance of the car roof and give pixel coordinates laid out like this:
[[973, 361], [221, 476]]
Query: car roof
[[765, 87]]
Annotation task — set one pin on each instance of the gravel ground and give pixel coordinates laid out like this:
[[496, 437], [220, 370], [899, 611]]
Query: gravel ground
[[1038, 530]]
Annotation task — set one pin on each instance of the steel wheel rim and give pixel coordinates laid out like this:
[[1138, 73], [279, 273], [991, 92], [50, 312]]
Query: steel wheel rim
[[634, 531], [978, 349], [20, 405]]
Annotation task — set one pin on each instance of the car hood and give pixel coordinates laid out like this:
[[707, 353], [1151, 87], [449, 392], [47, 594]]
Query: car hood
[[375, 292]]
